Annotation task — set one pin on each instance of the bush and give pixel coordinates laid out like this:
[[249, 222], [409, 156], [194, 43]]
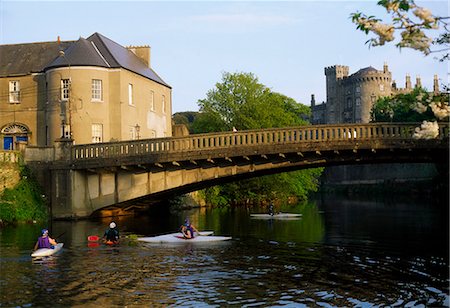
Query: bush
[[24, 202]]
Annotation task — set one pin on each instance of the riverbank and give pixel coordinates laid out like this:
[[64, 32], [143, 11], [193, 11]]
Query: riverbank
[[21, 198]]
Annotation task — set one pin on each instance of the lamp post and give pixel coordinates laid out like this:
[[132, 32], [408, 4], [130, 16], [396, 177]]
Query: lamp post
[[138, 129]]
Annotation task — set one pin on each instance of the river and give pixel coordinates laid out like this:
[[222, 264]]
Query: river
[[342, 252]]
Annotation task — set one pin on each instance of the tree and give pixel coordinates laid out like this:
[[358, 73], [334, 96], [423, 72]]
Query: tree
[[417, 26], [417, 106], [241, 102]]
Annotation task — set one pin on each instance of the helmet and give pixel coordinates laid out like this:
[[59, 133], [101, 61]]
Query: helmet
[[112, 225], [44, 231]]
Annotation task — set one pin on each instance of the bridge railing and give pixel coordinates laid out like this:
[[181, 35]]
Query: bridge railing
[[302, 134]]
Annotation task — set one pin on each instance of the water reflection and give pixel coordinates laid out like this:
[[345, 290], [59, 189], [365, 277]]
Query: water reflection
[[340, 253]]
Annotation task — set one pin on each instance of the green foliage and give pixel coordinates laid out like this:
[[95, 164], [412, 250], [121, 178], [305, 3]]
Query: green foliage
[[186, 118], [404, 107], [241, 102], [23, 202]]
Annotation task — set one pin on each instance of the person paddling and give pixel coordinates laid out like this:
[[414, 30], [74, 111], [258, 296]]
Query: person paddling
[[45, 241], [188, 229], [271, 212], [111, 235]]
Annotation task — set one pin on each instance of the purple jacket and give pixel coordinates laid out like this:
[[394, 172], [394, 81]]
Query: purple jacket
[[43, 242]]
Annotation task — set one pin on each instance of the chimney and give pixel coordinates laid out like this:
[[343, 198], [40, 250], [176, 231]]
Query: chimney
[[143, 53], [313, 100], [394, 85], [436, 85], [418, 82], [408, 82], [385, 67]]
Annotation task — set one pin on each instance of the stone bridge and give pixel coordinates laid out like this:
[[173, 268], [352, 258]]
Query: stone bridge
[[85, 178]]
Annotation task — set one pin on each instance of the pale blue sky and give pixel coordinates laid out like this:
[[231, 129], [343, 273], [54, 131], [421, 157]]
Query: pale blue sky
[[286, 44]]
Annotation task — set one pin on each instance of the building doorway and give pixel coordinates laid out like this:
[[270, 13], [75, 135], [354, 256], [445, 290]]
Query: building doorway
[[13, 134]]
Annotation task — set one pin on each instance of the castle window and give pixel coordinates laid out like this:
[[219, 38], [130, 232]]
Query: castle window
[[97, 133], [97, 90], [65, 84], [349, 102], [358, 102], [358, 89], [14, 91], [381, 87]]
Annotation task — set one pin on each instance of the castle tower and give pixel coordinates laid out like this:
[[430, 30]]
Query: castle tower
[[313, 100], [418, 82], [435, 85], [334, 76], [408, 82], [385, 68]]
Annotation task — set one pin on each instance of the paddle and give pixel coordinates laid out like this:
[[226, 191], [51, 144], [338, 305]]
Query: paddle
[[60, 235]]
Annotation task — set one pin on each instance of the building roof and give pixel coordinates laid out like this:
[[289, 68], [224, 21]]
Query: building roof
[[24, 59], [365, 70], [96, 50]]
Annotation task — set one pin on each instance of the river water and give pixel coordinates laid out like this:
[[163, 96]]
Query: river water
[[342, 252]]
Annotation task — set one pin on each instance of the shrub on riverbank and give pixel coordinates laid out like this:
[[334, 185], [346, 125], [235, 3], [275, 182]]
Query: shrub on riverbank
[[23, 202]]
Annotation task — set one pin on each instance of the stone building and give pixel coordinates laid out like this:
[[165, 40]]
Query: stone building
[[349, 98], [89, 90]]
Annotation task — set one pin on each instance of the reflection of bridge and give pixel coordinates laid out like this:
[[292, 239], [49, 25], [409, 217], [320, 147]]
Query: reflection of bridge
[[89, 177]]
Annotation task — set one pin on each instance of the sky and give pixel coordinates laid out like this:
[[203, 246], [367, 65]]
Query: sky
[[285, 44]]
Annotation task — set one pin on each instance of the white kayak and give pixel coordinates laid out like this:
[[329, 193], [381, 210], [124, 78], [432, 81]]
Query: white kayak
[[276, 216], [44, 252], [178, 238]]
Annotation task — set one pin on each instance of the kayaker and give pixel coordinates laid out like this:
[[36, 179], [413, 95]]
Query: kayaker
[[45, 241], [271, 212], [188, 229], [111, 234]]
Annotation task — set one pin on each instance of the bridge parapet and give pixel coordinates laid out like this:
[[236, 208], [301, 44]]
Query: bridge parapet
[[263, 137]]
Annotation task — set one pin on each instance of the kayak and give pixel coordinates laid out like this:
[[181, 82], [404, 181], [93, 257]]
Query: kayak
[[44, 252], [178, 238], [276, 216]]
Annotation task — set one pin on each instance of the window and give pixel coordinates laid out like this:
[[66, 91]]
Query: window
[[358, 89], [152, 101], [97, 94], [14, 91], [130, 95], [97, 133], [65, 84], [349, 102], [381, 87], [358, 101], [163, 107]]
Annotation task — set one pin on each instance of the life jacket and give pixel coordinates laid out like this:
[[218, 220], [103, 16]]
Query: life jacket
[[44, 242], [190, 229], [112, 235]]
